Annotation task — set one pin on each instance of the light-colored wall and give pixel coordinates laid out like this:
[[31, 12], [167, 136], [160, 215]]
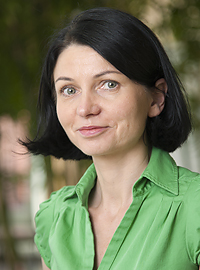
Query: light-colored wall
[[189, 154]]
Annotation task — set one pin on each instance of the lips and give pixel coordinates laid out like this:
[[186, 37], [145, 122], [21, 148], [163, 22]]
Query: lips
[[89, 131]]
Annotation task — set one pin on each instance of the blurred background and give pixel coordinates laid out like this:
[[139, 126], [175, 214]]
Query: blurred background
[[26, 27]]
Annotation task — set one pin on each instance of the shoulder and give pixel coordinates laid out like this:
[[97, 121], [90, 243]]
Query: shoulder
[[189, 193], [45, 218], [189, 183], [68, 195], [56, 200]]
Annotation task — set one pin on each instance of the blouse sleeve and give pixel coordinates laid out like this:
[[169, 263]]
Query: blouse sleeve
[[193, 221], [43, 221]]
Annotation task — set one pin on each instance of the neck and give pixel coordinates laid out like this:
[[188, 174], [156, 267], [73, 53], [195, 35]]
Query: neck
[[116, 176]]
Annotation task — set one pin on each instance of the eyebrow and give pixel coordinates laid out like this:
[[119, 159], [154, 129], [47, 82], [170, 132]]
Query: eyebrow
[[63, 78], [106, 72]]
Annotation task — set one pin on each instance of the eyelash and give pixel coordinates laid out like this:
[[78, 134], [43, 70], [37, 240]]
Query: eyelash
[[65, 88], [110, 81]]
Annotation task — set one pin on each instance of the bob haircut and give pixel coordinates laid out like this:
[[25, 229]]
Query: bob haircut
[[134, 50]]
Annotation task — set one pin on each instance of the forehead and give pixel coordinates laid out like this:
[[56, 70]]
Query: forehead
[[81, 58]]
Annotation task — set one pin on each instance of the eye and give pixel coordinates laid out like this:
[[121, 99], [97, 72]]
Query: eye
[[68, 91], [110, 84]]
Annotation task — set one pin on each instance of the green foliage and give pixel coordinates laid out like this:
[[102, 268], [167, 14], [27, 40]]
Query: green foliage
[[181, 18], [185, 22]]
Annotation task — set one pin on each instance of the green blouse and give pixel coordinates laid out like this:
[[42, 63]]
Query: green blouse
[[160, 230]]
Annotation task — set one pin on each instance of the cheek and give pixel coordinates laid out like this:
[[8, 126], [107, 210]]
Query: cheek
[[132, 118], [64, 116], [59, 113]]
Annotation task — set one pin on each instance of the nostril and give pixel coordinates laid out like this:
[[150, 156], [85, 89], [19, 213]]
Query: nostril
[[88, 110], [95, 109]]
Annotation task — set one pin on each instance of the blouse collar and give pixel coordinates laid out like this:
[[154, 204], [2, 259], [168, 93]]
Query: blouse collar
[[161, 170]]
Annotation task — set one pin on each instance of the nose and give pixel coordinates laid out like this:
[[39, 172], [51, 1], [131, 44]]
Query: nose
[[88, 105]]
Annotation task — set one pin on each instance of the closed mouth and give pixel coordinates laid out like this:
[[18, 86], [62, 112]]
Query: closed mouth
[[89, 131]]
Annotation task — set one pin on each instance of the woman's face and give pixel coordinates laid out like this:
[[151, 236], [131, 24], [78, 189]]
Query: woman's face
[[101, 110]]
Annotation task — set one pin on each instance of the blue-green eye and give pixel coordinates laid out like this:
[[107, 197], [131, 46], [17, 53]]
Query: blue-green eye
[[69, 91], [111, 84]]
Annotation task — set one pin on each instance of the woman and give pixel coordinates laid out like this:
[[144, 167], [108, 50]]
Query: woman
[[109, 92]]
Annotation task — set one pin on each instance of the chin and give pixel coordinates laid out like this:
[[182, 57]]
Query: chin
[[94, 151]]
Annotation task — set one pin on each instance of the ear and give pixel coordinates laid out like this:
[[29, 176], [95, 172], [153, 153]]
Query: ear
[[158, 96]]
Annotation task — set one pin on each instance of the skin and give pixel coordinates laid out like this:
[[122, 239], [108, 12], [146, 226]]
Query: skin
[[119, 111], [104, 114]]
